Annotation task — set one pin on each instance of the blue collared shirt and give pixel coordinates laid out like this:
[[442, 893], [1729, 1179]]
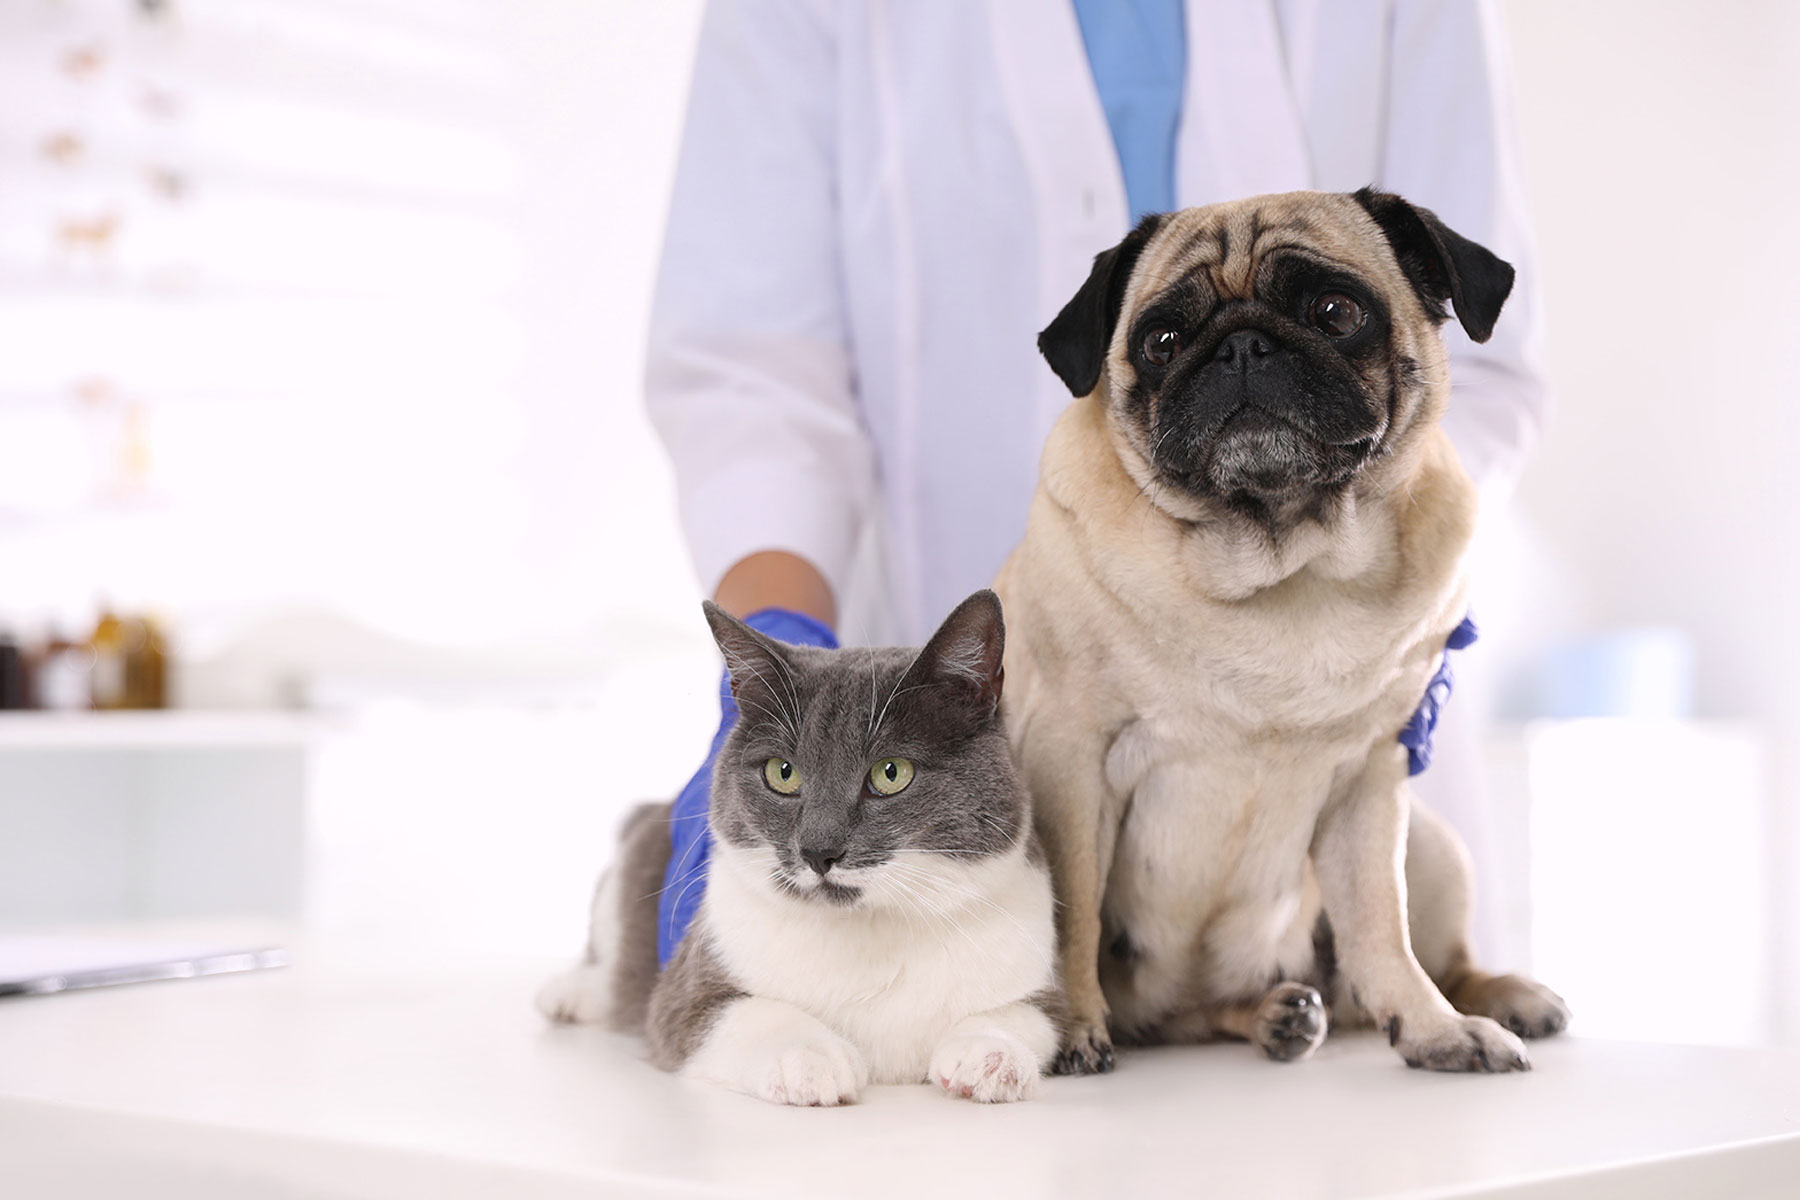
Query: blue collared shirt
[[1137, 51]]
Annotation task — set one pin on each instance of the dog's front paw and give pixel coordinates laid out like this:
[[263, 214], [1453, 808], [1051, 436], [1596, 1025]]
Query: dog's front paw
[[1087, 1049], [582, 996], [1458, 1043], [1290, 1022], [1525, 1006], [985, 1067]]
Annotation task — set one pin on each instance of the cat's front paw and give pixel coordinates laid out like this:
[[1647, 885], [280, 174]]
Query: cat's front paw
[[816, 1072], [985, 1067], [582, 996], [1458, 1043], [810, 1075], [776, 1052]]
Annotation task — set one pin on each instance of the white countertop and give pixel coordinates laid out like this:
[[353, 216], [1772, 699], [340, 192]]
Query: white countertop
[[439, 1080], [168, 729]]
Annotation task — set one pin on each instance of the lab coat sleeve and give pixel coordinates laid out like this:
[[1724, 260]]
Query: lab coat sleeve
[[1451, 146], [748, 377]]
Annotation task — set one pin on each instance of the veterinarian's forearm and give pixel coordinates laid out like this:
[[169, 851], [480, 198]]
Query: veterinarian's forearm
[[776, 579]]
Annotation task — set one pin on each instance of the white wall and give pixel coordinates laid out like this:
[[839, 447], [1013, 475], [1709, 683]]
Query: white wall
[[1662, 159]]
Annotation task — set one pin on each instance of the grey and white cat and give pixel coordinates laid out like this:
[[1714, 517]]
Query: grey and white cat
[[876, 909]]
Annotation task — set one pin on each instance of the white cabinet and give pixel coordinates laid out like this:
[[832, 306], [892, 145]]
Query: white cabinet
[[108, 817]]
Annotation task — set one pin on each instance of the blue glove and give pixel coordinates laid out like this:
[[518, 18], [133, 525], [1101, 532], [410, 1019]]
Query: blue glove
[[1416, 737], [690, 841]]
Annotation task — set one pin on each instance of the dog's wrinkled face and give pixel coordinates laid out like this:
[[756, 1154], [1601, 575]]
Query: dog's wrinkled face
[[1262, 354]]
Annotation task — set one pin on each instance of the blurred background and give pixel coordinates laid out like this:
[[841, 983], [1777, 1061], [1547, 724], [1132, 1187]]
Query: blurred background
[[323, 460]]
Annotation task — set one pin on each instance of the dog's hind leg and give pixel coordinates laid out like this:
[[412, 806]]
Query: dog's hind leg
[[1438, 889]]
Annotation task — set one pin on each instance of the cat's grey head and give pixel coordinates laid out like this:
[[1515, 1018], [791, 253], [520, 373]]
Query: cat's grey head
[[849, 767]]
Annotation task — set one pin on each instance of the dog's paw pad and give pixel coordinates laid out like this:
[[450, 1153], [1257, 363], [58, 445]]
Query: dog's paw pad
[[1525, 1006], [582, 996], [1459, 1043], [1290, 1022], [987, 1068]]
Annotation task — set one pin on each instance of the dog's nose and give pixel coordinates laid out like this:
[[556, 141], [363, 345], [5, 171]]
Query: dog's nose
[[821, 860], [1244, 351]]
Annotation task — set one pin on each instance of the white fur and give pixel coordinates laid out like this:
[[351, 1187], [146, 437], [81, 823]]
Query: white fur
[[584, 994], [773, 1050], [993, 1057], [938, 952]]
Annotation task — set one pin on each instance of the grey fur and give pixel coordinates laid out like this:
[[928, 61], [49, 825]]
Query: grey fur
[[835, 713], [643, 858], [687, 1000]]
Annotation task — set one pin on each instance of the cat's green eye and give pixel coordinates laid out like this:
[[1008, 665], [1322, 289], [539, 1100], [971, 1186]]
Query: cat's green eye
[[782, 775], [890, 775]]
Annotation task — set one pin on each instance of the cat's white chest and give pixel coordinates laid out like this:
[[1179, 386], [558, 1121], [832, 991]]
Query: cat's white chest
[[891, 980]]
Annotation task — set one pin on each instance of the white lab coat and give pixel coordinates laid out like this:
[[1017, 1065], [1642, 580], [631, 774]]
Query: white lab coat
[[880, 203]]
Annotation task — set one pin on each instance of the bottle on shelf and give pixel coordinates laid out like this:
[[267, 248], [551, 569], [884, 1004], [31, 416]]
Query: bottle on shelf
[[146, 665], [111, 644], [15, 674], [65, 674]]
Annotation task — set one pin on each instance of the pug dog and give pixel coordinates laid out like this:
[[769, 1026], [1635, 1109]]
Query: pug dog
[[1240, 569]]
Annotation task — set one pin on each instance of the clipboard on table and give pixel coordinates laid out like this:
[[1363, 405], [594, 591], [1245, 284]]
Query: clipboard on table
[[42, 964]]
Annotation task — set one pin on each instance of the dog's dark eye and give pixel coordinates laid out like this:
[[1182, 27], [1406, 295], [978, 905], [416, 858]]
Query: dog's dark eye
[[1161, 345], [1336, 315]]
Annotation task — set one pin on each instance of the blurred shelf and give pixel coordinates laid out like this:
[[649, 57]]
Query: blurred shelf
[[164, 730]]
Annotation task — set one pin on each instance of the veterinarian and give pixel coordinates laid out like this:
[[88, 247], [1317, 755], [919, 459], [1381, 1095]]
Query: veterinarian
[[878, 206]]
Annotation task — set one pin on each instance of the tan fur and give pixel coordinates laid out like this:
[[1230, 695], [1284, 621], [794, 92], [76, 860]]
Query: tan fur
[[1206, 707]]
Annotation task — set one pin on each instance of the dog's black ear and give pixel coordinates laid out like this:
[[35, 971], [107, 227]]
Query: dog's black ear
[[1441, 263], [1074, 344]]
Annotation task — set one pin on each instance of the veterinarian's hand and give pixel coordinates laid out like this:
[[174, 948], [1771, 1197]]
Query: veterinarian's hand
[[690, 844], [1416, 736]]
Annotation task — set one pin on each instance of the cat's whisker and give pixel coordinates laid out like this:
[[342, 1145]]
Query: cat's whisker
[[948, 918], [969, 895], [676, 907], [870, 734], [789, 721], [892, 696], [680, 866], [793, 692]]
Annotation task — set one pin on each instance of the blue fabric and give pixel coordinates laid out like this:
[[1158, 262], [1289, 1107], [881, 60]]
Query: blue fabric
[[690, 840], [1137, 51], [1416, 737]]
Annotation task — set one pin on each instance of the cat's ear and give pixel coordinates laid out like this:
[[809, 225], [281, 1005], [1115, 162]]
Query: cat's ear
[[966, 653], [751, 659]]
